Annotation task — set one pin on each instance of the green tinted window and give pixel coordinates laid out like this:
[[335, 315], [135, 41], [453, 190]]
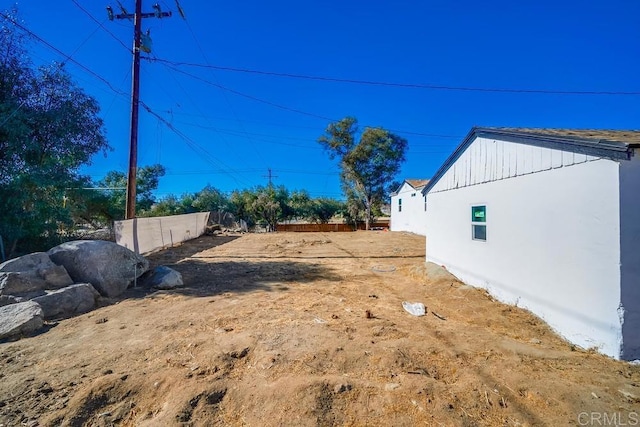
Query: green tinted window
[[478, 213]]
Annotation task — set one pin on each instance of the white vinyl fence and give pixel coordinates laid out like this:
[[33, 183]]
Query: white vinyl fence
[[145, 235]]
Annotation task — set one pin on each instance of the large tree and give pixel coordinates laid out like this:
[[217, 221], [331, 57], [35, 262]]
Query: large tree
[[49, 127], [367, 165]]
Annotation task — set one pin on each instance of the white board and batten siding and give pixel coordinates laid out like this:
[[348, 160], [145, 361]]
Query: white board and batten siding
[[408, 210], [553, 232], [487, 160]]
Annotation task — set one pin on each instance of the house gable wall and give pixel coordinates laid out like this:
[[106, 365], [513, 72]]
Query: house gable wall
[[412, 217], [553, 232], [487, 160]]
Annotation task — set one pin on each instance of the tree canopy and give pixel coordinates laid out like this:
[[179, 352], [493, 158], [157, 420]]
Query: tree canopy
[[367, 165], [49, 127]]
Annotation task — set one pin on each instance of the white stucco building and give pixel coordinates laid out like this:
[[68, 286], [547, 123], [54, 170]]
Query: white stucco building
[[547, 219], [408, 211]]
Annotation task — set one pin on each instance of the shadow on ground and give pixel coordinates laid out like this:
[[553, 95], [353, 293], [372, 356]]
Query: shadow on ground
[[186, 250], [204, 279]]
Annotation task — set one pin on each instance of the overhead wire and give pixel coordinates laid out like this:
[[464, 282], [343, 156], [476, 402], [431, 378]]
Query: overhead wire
[[401, 85], [197, 148], [244, 95], [188, 96], [204, 56], [101, 24], [68, 57], [184, 137], [288, 125], [295, 110]]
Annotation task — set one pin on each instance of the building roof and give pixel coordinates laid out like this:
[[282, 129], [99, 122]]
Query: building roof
[[629, 137], [417, 184], [613, 144]]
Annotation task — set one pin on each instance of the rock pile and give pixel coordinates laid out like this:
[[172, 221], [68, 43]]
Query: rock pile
[[69, 279]]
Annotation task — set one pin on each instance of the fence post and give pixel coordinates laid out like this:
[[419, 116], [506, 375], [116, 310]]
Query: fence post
[[2, 249]]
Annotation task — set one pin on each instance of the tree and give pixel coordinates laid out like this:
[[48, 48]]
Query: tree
[[240, 205], [367, 166], [115, 184], [266, 208], [210, 199], [169, 205], [48, 128], [301, 204], [323, 209]]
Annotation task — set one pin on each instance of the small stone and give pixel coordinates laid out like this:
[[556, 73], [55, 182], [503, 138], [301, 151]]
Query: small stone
[[341, 388], [391, 386], [239, 354], [535, 341], [107, 372], [628, 395]]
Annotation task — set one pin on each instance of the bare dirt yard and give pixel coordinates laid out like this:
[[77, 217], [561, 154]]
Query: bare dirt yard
[[308, 329]]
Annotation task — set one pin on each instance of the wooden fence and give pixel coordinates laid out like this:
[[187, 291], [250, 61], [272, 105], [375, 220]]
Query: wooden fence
[[327, 227]]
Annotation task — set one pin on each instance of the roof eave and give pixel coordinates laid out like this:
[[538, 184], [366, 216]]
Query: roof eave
[[604, 148]]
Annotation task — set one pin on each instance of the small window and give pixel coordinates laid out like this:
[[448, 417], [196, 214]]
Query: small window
[[478, 223], [425, 203], [399, 205], [413, 194]]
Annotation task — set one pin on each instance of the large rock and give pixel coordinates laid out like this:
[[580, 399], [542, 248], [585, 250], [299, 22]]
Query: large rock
[[65, 302], [37, 272], [110, 268], [8, 299], [14, 283], [20, 318], [162, 277]]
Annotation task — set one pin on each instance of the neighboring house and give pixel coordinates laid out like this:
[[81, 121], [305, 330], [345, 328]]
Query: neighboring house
[[549, 220], [408, 207]]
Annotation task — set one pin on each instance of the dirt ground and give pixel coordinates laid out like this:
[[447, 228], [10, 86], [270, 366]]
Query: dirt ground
[[308, 329]]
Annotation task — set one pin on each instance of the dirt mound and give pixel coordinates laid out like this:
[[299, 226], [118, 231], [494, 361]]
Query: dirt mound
[[308, 330]]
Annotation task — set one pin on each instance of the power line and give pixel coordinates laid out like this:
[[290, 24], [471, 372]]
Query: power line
[[190, 99], [192, 144], [204, 56], [406, 132], [273, 104], [294, 110], [101, 25], [395, 84], [68, 57]]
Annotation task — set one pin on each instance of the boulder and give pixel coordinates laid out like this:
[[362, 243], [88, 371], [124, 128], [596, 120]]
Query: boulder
[[65, 302], [20, 318], [109, 267], [38, 270], [8, 299], [162, 277], [16, 283]]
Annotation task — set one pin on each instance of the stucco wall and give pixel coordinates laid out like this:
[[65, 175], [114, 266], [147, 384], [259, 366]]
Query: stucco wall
[[552, 246], [412, 218], [144, 235], [630, 256]]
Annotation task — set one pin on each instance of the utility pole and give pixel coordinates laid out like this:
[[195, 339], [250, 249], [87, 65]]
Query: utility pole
[[270, 176], [135, 93]]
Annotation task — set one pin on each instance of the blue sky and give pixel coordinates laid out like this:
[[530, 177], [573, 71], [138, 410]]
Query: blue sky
[[233, 126]]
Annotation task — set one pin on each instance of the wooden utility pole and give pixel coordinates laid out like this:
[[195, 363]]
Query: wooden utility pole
[[135, 94]]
